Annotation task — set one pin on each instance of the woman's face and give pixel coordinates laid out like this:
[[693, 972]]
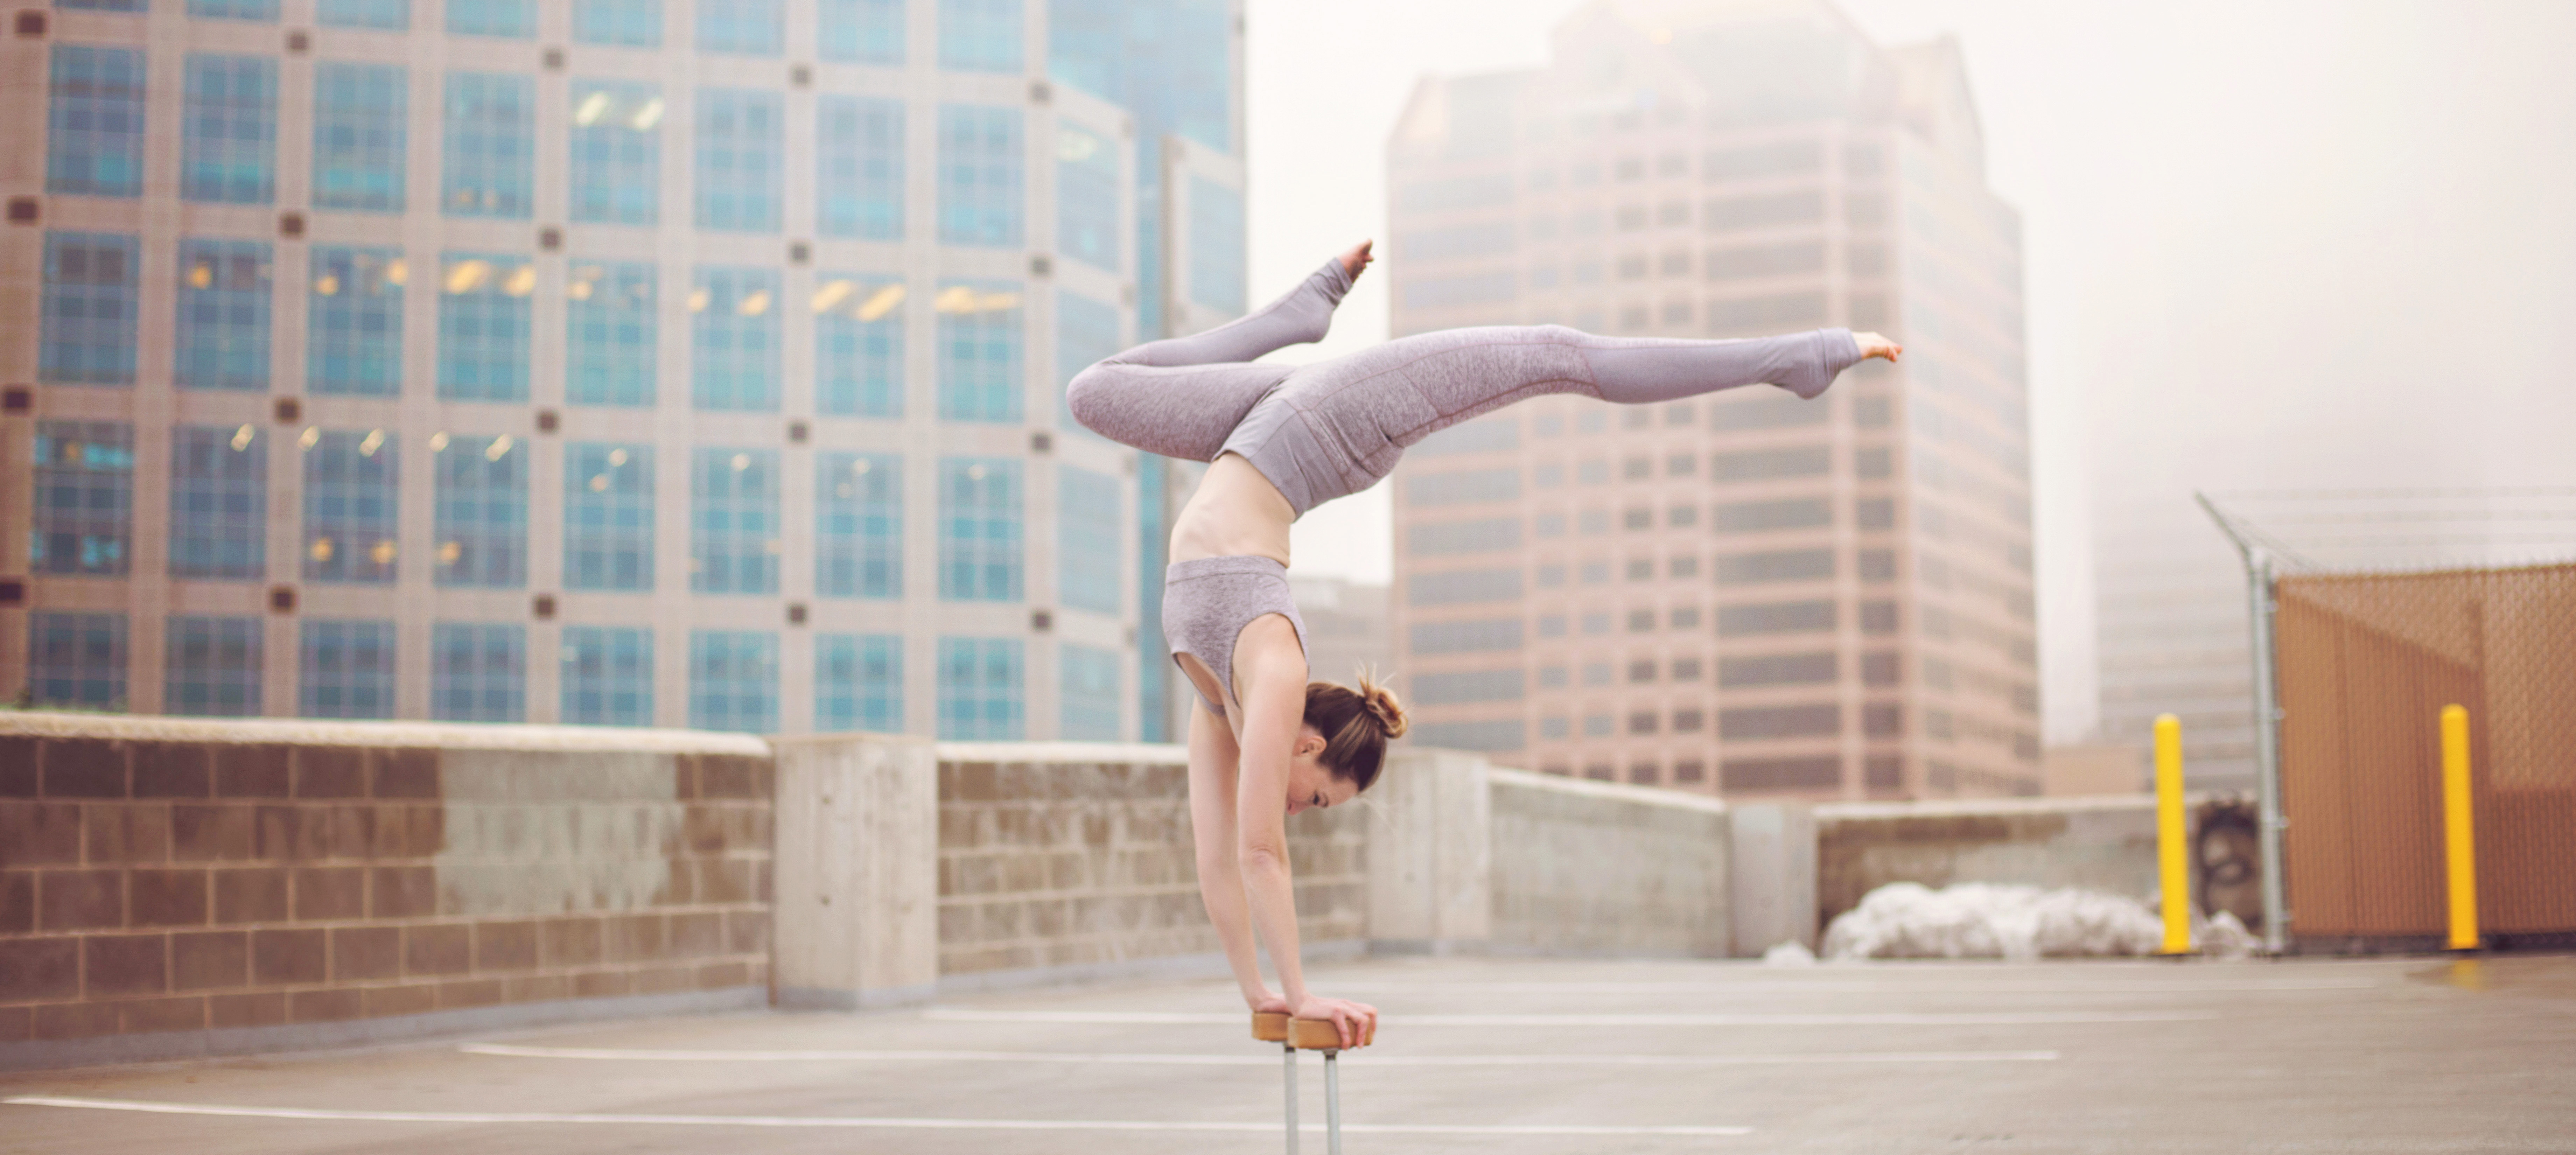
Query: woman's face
[[1310, 782]]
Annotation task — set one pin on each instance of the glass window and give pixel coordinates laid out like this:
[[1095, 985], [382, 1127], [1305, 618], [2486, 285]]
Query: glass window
[[858, 169], [616, 152], [733, 522], [733, 340], [359, 134], [608, 517], [212, 667], [733, 681], [858, 504], [92, 298], [979, 351], [1086, 332], [395, 14], [750, 27], [612, 338], [135, 6], [481, 520], [980, 163], [858, 347], [981, 695], [219, 503], [1089, 694], [234, 9], [1216, 245], [353, 327], [84, 498], [738, 160], [347, 671], [1086, 182], [860, 31], [94, 129], [512, 18], [980, 35], [223, 330], [76, 660], [626, 23], [489, 156], [1091, 511], [352, 504], [228, 130], [483, 327], [979, 529], [607, 676], [858, 683], [478, 672]]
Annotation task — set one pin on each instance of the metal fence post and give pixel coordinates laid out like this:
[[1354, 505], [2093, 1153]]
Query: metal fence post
[[2267, 748]]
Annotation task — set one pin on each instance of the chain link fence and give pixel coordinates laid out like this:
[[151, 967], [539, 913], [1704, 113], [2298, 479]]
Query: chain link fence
[[2384, 608]]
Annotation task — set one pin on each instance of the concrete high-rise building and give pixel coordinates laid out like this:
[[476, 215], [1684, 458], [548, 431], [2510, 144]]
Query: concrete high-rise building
[[630, 362], [1744, 593]]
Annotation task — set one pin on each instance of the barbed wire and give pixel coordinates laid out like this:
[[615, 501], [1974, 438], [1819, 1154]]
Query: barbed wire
[[2327, 529]]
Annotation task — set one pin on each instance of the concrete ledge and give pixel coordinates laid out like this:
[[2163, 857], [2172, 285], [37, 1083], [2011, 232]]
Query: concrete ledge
[[365, 1032], [1145, 753], [1616, 791], [1211, 965], [446, 735]]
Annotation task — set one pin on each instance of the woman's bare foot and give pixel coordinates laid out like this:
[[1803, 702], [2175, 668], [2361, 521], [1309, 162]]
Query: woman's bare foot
[[1356, 260], [1873, 345]]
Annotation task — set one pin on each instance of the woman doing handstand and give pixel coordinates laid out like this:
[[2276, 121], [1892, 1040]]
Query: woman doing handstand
[[1284, 439]]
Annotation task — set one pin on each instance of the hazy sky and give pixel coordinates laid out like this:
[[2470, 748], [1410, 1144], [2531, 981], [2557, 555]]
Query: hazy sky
[[2269, 244]]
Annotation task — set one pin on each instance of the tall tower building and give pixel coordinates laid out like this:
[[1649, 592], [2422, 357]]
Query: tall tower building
[[1745, 593], [628, 362]]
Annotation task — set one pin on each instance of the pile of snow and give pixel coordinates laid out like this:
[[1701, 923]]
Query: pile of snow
[[1978, 920], [1789, 954]]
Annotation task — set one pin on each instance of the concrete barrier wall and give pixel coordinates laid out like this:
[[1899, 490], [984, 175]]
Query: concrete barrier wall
[[1059, 859], [1586, 867], [2097, 843], [173, 886]]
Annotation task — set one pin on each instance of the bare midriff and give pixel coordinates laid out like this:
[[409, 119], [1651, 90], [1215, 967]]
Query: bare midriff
[[1235, 513]]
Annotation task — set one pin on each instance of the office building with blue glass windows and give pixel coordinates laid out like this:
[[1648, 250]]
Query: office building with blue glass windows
[[609, 362]]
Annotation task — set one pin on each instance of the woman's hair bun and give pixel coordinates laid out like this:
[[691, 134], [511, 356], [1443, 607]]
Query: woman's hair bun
[[1383, 705]]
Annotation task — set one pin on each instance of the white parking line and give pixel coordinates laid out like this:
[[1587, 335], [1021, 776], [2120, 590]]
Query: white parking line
[[828, 1121], [1149, 1060], [1866, 987], [1979, 1019]]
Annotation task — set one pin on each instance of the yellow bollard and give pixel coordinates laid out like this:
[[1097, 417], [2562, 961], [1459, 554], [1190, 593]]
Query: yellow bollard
[[2459, 841], [2171, 864]]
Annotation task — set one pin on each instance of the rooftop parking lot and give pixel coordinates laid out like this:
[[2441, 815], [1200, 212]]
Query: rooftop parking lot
[[1482, 1054]]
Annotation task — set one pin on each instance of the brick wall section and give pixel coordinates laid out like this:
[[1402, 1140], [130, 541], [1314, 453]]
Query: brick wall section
[[1057, 863], [151, 886]]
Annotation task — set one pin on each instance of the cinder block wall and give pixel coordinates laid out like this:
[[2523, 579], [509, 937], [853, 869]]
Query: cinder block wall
[[1583, 867], [2096, 843], [1078, 855], [170, 886]]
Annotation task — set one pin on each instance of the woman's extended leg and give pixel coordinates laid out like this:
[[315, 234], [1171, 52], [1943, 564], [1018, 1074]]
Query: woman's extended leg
[[1182, 396]]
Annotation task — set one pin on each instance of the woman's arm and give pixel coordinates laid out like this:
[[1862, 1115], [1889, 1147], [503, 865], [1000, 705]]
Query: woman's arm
[[1270, 679], [1213, 757]]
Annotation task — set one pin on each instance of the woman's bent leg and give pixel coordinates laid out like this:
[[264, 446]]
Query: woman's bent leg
[[1182, 396]]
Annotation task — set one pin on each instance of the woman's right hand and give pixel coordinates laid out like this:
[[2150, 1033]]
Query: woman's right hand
[[1357, 1022]]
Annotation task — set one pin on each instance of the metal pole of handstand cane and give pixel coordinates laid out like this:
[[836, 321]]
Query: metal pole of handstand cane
[[1333, 1101], [1288, 1053]]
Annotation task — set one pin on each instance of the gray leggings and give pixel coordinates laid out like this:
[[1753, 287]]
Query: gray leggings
[[1337, 426]]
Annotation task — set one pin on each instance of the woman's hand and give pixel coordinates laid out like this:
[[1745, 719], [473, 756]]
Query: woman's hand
[[1266, 1003], [1873, 345], [1357, 1022]]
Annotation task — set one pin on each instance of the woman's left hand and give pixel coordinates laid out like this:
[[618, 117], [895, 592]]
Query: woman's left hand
[[1267, 1004]]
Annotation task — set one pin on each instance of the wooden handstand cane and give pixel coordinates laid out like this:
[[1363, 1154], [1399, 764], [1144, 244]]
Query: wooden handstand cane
[[1294, 1035]]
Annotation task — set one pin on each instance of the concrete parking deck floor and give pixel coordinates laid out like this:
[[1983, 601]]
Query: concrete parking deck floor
[[1477, 1055]]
